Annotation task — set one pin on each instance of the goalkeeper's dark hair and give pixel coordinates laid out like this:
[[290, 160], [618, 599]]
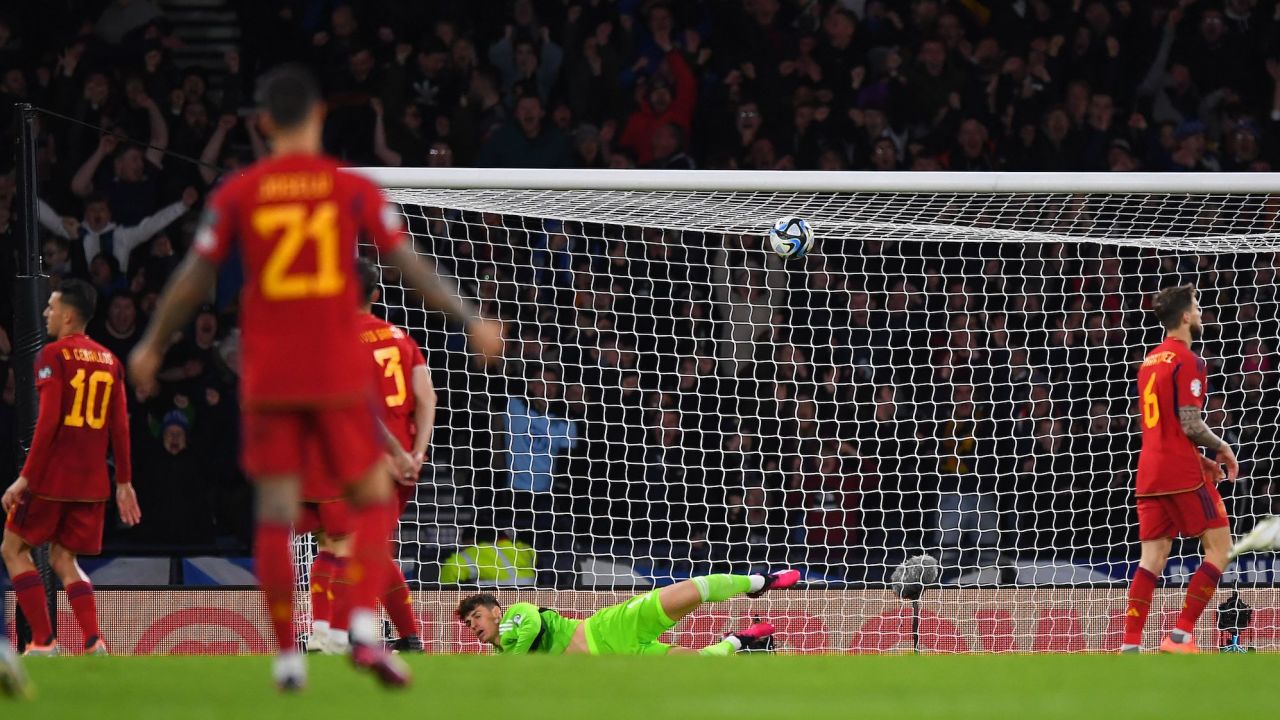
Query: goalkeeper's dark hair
[[479, 600], [1170, 303], [368, 274], [287, 93], [80, 296]]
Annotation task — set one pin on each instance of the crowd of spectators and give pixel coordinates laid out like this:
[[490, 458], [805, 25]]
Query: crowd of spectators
[[657, 432]]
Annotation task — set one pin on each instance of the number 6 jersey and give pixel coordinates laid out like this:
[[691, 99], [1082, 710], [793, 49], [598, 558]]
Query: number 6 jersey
[[1172, 376], [295, 220], [82, 408]]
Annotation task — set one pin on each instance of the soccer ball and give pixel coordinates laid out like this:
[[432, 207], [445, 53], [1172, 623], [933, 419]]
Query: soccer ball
[[791, 237]]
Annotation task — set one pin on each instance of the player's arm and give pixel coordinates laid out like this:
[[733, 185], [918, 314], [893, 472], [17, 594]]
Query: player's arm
[[440, 294], [190, 286], [187, 290], [386, 229], [403, 467], [48, 418], [424, 411], [126, 499], [1195, 428], [526, 632]]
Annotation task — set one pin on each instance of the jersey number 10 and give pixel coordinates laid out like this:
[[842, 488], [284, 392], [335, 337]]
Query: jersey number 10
[[90, 411]]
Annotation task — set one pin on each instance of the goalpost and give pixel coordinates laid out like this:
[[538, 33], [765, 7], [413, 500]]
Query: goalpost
[[950, 371]]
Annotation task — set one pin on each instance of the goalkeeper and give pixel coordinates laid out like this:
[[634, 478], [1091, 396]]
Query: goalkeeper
[[629, 628]]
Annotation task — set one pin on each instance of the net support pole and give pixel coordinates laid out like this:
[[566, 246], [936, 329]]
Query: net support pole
[[30, 290]]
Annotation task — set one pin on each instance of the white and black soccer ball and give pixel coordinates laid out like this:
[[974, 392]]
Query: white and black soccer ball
[[791, 237]]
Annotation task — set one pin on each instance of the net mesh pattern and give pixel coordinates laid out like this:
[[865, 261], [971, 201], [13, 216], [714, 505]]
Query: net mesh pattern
[[950, 374]]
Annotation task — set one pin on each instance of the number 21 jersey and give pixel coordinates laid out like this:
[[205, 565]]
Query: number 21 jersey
[[1172, 376], [296, 220]]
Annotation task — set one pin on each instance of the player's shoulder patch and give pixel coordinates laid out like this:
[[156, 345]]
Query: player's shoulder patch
[[44, 373], [1196, 387]]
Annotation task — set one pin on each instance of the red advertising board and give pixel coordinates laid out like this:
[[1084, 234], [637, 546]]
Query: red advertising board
[[221, 621]]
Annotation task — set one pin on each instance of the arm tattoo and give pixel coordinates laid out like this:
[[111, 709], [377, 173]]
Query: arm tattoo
[[1193, 425]]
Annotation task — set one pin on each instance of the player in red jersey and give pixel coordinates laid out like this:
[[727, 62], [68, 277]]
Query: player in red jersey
[[1177, 493], [409, 401], [61, 495], [307, 392]]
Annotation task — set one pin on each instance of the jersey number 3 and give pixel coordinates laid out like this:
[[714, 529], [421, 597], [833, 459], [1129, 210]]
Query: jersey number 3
[[389, 359], [90, 411], [296, 229], [1150, 405]]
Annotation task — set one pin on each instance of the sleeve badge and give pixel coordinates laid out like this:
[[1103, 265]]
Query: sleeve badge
[[1196, 388]]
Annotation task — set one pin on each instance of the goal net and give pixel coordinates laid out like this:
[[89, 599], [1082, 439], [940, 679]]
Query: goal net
[[950, 372]]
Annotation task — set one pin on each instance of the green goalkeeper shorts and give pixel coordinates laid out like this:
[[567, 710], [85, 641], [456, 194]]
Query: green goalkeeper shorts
[[629, 628]]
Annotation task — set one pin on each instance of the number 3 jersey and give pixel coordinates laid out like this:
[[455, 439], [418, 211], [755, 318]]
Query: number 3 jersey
[[295, 221], [397, 355], [1172, 376], [82, 410]]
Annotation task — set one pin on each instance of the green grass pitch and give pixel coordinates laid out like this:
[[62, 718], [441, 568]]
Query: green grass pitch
[[684, 688]]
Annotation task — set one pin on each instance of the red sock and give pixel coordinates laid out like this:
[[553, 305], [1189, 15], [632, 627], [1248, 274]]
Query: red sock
[[321, 580], [340, 593], [30, 591], [273, 561], [396, 600], [370, 550], [80, 595], [1199, 593], [1140, 592]]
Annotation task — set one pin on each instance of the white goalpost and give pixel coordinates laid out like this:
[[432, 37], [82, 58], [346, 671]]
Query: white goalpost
[[949, 372]]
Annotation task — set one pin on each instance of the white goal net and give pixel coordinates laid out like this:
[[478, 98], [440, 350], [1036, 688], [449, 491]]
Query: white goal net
[[950, 371]]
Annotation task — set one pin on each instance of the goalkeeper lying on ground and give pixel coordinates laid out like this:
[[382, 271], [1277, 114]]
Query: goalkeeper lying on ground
[[629, 628]]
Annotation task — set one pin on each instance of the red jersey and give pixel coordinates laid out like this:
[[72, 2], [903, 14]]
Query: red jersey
[[295, 220], [82, 408], [397, 355], [1171, 377]]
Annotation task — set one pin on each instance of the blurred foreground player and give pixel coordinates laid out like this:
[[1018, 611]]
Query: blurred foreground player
[[307, 391], [13, 680], [61, 495], [409, 408], [1177, 493]]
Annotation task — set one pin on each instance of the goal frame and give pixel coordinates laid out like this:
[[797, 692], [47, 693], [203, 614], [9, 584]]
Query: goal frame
[[815, 181]]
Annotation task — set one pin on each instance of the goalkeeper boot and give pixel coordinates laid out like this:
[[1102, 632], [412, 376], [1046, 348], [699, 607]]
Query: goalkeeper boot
[[410, 644], [390, 670], [95, 646], [777, 581], [50, 650], [13, 680], [1184, 645], [289, 670], [757, 638]]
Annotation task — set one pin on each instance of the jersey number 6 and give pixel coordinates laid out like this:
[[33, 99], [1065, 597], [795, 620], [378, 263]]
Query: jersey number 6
[[1150, 404]]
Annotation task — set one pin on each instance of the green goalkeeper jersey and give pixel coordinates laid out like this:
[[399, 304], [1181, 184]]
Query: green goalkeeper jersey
[[527, 628]]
